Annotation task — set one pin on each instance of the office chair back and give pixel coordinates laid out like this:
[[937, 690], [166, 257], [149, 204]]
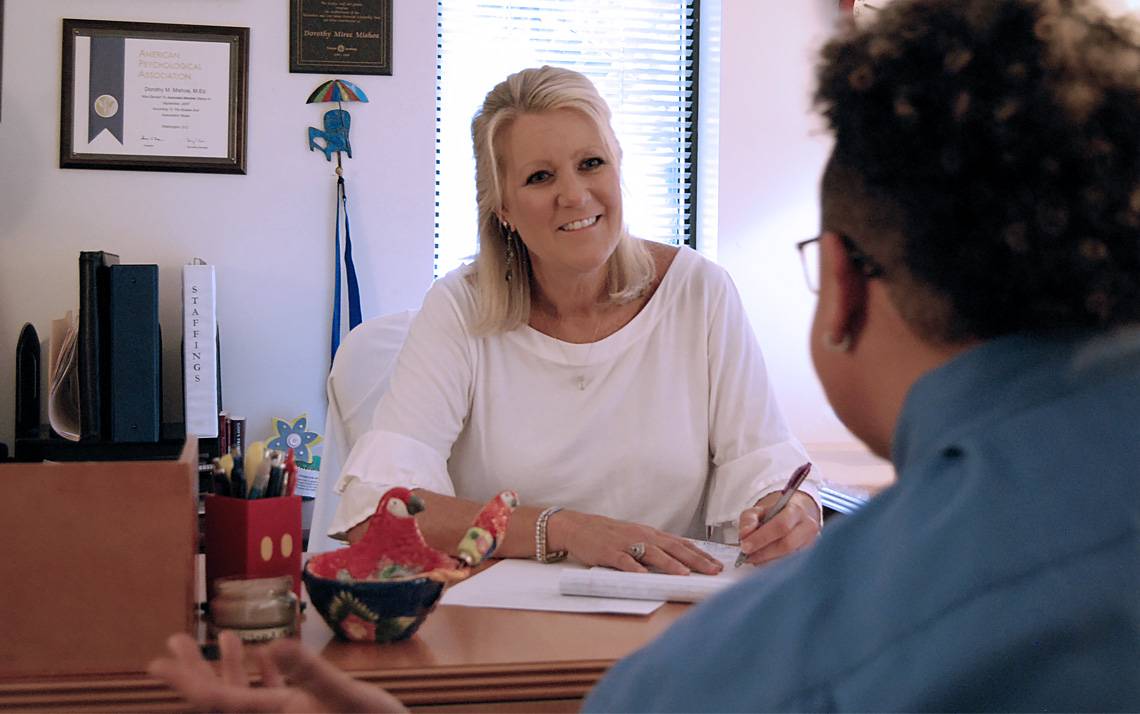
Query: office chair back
[[358, 378]]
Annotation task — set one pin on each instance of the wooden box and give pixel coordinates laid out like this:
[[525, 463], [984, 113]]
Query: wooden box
[[98, 565]]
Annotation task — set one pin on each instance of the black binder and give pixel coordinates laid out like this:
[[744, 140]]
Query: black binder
[[94, 380], [135, 347]]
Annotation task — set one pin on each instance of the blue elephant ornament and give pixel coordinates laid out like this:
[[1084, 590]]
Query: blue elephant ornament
[[335, 134]]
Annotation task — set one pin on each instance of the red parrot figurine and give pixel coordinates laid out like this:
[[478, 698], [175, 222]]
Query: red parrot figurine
[[394, 548], [488, 529], [393, 542]]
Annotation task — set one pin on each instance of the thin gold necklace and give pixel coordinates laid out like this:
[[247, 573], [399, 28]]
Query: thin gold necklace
[[580, 380]]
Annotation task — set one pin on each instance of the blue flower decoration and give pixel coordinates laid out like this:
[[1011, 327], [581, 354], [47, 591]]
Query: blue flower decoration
[[294, 436]]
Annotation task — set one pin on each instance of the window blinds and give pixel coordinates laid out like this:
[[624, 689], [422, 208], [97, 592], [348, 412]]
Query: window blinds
[[641, 54]]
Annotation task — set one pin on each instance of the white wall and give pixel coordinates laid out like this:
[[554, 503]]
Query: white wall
[[269, 232], [772, 151], [1119, 7]]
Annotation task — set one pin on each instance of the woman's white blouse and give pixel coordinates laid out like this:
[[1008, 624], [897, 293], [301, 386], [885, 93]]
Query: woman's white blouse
[[668, 422]]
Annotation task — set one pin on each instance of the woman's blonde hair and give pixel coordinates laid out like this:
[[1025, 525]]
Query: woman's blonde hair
[[503, 305]]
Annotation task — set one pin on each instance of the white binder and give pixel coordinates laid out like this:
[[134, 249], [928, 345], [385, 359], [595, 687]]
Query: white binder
[[200, 349]]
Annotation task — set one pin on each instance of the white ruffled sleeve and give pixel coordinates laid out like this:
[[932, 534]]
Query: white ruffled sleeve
[[752, 450], [418, 420]]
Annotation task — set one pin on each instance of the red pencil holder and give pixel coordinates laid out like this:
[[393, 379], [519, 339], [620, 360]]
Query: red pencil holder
[[256, 538]]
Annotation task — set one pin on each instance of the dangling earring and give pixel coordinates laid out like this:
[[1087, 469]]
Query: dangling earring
[[841, 345], [508, 236]]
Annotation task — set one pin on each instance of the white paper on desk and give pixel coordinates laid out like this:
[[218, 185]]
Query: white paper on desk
[[694, 587], [529, 585]]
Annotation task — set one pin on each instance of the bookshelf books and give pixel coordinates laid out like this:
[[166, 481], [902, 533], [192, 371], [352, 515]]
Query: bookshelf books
[[94, 377], [136, 354], [200, 359]]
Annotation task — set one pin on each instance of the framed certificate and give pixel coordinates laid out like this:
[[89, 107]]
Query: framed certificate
[[340, 36], [153, 97]]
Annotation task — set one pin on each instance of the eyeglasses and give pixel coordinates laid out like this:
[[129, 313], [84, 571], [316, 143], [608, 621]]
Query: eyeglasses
[[809, 258]]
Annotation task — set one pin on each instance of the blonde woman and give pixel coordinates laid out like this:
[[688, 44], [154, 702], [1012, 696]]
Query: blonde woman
[[613, 382]]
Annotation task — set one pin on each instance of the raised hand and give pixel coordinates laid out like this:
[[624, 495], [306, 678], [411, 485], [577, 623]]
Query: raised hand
[[293, 679]]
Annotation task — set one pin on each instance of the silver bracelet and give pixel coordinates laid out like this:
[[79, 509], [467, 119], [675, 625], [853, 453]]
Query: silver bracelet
[[540, 553]]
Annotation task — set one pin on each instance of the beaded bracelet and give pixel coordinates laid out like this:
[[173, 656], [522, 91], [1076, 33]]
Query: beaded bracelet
[[540, 553]]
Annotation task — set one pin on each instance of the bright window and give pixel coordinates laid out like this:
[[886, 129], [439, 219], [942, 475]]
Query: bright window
[[642, 56]]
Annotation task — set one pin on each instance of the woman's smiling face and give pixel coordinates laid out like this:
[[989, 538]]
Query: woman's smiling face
[[561, 191]]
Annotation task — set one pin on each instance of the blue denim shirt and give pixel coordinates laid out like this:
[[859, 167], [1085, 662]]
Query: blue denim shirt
[[1001, 572]]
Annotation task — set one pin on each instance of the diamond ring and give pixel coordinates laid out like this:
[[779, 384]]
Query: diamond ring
[[636, 551]]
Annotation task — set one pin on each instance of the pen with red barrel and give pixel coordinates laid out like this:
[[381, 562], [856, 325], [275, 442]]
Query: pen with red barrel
[[790, 488], [290, 473]]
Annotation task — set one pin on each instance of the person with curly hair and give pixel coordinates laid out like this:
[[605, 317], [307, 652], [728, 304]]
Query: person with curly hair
[[978, 322]]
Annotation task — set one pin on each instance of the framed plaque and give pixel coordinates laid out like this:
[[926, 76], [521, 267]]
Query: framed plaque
[[340, 36], [153, 97]]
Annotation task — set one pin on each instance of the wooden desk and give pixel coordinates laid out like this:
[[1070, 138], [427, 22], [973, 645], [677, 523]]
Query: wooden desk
[[461, 659], [493, 657]]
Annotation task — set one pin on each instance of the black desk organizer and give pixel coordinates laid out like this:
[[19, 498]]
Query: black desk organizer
[[47, 446]]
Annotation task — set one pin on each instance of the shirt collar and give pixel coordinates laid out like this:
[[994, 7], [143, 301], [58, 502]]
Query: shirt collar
[[1001, 377]]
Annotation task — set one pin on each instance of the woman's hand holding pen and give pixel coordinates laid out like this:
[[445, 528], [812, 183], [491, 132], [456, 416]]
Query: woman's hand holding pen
[[597, 540], [793, 528]]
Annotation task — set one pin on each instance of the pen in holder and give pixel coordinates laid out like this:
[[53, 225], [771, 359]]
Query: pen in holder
[[257, 538]]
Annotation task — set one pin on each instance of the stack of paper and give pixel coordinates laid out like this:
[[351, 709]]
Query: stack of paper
[[529, 585], [608, 583]]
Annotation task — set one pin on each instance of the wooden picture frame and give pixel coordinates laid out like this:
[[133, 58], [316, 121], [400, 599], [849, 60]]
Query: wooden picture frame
[[340, 38], [153, 97]]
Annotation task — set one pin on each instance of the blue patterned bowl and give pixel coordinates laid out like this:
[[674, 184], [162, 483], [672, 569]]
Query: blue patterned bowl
[[373, 611]]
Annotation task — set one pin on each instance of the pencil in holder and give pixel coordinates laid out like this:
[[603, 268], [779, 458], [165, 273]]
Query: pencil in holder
[[258, 538]]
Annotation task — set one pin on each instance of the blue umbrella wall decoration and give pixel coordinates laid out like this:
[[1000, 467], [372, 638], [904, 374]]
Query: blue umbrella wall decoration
[[335, 138]]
